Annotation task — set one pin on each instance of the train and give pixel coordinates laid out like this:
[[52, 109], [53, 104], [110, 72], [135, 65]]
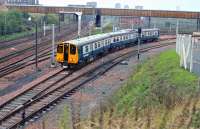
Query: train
[[82, 50]]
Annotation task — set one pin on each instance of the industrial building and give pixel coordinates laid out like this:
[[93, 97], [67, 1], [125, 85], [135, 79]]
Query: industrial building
[[23, 2]]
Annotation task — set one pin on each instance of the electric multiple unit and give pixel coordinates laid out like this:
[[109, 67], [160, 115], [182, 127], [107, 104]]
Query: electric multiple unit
[[82, 50]]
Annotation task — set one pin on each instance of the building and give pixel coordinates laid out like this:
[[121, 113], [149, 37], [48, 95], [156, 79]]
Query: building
[[77, 6], [23, 2], [117, 5], [88, 5], [126, 6], [139, 7], [92, 4]]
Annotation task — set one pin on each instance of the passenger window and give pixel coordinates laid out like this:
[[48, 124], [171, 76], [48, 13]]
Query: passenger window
[[86, 49], [99, 44], [72, 49], [114, 40], [95, 45], [91, 47], [117, 38], [109, 41]]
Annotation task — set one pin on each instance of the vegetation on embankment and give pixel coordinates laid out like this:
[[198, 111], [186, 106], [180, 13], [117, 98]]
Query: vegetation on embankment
[[105, 29], [159, 95], [15, 24]]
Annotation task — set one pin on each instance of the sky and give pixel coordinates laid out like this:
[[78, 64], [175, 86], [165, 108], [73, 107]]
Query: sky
[[183, 5]]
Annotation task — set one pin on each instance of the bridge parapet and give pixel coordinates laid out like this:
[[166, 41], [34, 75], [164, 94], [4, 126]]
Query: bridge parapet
[[109, 11]]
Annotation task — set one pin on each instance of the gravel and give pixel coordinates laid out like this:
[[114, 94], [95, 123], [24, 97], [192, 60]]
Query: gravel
[[94, 92]]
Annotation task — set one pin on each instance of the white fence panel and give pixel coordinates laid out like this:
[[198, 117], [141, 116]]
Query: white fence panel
[[188, 48]]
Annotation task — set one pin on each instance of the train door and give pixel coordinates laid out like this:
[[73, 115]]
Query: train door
[[66, 49]]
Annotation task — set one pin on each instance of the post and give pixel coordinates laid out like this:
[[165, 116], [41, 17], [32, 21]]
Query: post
[[79, 24], [177, 27], [5, 28], [53, 47], [59, 23], [197, 25], [23, 115], [149, 22], [36, 46], [44, 28], [113, 28], [139, 40]]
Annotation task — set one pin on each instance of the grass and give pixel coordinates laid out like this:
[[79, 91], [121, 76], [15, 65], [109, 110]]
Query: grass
[[105, 29], [158, 95], [159, 81], [18, 35]]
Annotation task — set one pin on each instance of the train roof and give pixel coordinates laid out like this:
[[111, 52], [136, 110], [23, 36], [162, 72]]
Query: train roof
[[94, 38], [97, 37]]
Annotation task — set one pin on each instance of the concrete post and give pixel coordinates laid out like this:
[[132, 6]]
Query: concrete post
[[79, 24], [149, 22], [44, 28], [53, 47], [177, 27], [198, 24]]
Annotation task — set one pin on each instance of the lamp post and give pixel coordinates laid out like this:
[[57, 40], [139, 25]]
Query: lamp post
[[139, 40], [36, 44]]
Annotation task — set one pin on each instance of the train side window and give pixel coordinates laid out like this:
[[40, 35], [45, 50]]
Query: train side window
[[86, 49], [95, 45], [106, 42], [109, 41], [114, 40], [117, 39], [72, 49], [102, 43], [91, 47], [99, 44]]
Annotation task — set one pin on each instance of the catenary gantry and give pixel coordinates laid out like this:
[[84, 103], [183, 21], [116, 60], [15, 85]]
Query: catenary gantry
[[109, 11]]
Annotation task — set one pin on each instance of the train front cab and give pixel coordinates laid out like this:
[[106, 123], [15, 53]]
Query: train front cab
[[67, 54]]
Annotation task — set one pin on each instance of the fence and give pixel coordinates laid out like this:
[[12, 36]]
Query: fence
[[188, 48]]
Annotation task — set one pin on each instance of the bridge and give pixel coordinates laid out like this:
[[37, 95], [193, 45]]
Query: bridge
[[109, 11]]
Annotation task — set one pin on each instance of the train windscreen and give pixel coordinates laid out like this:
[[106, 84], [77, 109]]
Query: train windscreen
[[60, 49], [72, 49]]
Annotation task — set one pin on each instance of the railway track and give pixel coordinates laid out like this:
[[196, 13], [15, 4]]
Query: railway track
[[44, 43], [27, 60], [28, 38], [46, 93]]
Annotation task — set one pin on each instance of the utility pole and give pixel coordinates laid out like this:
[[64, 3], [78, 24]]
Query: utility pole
[[5, 26], [59, 22], [36, 46], [53, 47], [79, 24], [139, 40], [44, 28], [177, 27]]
